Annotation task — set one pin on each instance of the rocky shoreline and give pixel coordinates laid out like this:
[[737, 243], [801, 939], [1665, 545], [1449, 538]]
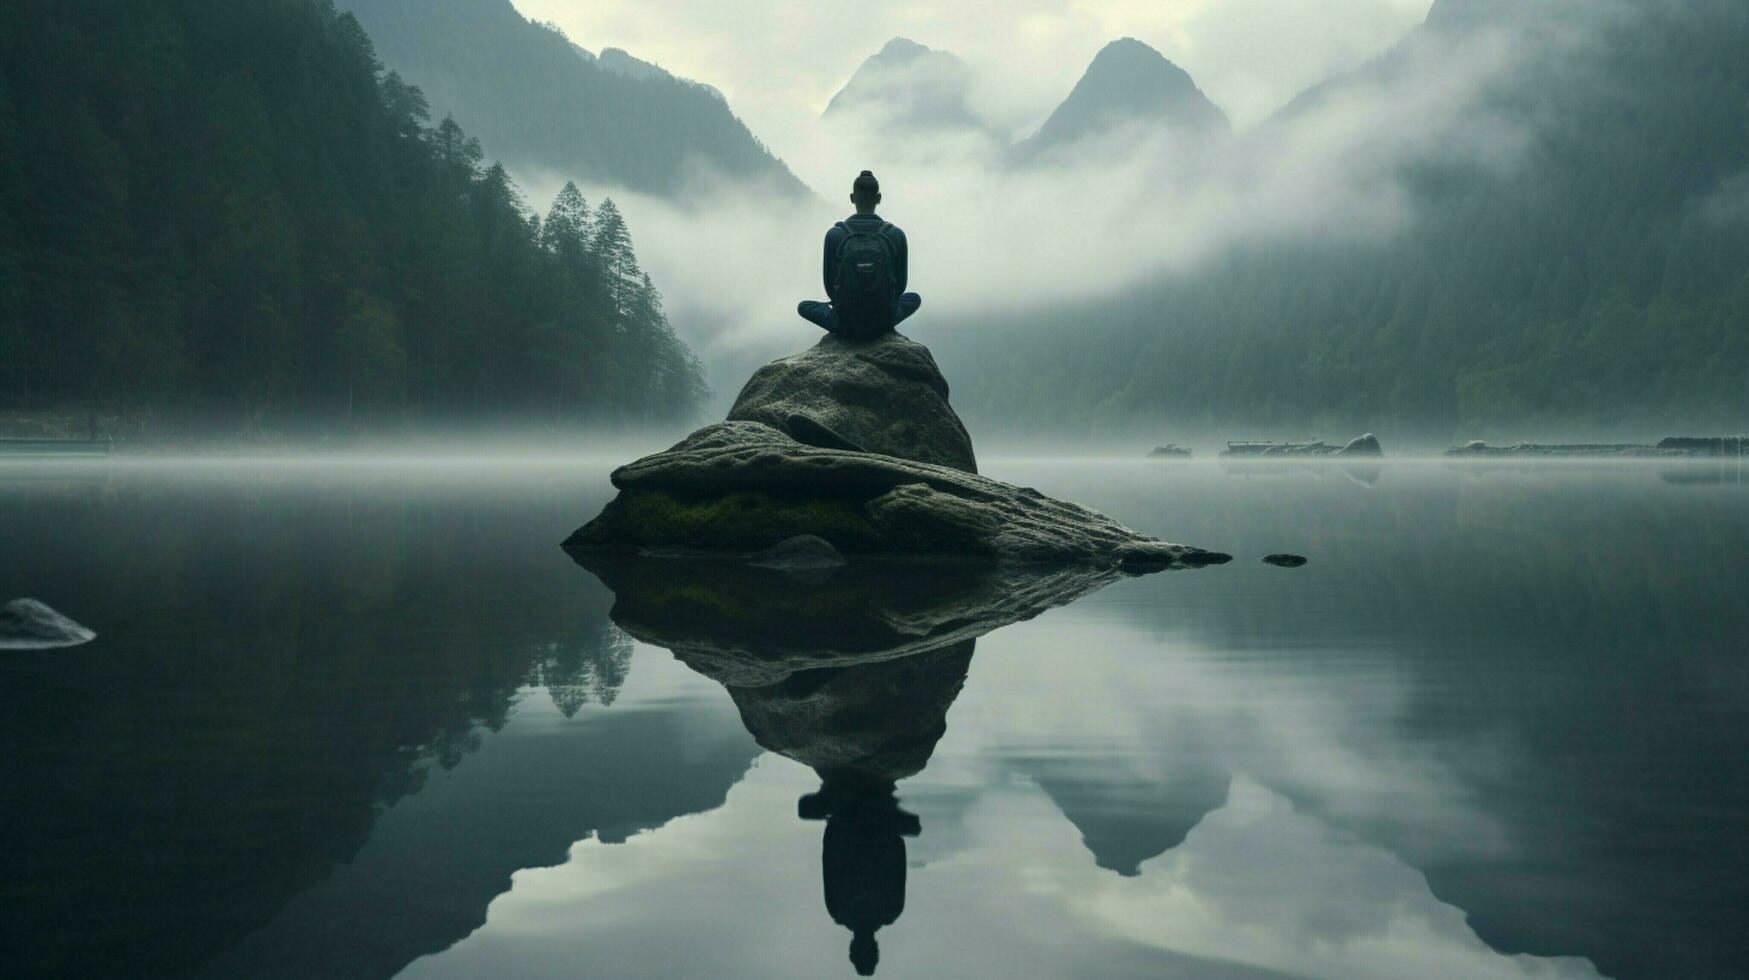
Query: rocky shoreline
[[1673, 447]]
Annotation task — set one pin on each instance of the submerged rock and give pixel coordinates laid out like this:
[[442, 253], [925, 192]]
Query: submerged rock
[[742, 487], [879, 396], [26, 624], [1284, 561], [802, 553]]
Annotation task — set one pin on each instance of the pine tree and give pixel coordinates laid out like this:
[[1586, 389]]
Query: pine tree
[[568, 229], [231, 212], [612, 245]]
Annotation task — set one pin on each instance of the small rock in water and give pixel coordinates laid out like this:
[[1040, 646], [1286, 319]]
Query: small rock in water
[[1284, 561], [1367, 445], [26, 624], [804, 552]]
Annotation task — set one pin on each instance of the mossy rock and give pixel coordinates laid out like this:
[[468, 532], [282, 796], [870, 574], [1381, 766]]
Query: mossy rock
[[742, 487], [746, 521]]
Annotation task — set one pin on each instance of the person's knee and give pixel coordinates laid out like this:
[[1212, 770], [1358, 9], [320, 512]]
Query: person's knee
[[815, 312], [907, 305]]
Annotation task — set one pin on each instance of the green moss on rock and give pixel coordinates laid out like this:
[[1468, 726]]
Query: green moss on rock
[[747, 521]]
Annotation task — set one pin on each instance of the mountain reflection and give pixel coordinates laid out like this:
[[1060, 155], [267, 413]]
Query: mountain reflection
[[268, 765]]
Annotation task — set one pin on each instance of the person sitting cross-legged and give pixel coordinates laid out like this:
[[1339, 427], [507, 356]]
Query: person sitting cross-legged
[[864, 272]]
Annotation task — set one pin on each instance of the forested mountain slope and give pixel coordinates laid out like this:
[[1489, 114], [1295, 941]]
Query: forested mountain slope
[[1598, 279], [229, 213], [541, 105]]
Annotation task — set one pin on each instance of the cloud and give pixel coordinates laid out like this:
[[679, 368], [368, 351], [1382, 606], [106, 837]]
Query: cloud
[[779, 62], [988, 238]]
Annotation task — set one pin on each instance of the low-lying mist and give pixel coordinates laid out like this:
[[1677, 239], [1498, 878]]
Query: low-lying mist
[[991, 235]]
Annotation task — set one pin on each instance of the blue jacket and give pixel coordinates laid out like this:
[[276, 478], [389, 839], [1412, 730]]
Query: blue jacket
[[836, 235]]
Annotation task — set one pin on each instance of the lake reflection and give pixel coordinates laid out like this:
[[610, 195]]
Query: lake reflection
[[370, 721]]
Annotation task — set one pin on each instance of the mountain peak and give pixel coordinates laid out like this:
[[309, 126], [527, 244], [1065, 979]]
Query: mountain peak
[[902, 48], [910, 86], [1127, 82], [1128, 59]]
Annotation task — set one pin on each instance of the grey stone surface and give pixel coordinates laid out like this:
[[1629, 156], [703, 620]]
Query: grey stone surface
[[881, 396], [1367, 445], [1580, 450], [804, 552], [884, 506], [26, 624]]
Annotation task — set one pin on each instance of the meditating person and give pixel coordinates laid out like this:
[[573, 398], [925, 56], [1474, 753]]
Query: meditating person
[[864, 271]]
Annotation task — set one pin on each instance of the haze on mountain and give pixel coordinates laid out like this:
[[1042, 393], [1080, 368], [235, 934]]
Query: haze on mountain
[[547, 107], [907, 87], [621, 62], [1521, 221], [1523, 215], [1128, 84]]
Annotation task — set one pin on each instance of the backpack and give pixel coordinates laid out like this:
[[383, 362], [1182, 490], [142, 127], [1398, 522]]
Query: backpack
[[865, 285]]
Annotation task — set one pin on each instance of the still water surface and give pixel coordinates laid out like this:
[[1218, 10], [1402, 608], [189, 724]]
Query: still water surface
[[367, 720]]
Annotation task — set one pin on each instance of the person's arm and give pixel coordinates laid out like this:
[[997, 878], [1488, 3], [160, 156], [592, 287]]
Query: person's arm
[[901, 258], [826, 263]]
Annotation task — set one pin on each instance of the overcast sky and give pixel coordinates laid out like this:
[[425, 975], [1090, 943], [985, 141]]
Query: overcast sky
[[780, 61]]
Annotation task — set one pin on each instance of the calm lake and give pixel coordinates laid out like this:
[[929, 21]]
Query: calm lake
[[352, 719]]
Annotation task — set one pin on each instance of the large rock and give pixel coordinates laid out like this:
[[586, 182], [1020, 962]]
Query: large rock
[[742, 487], [880, 396]]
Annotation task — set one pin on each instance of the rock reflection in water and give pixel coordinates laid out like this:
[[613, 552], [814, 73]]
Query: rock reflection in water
[[851, 675], [862, 729], [744, 625]]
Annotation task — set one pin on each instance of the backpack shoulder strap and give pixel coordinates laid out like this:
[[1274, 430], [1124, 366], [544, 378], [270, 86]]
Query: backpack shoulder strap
[[843, 242]]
